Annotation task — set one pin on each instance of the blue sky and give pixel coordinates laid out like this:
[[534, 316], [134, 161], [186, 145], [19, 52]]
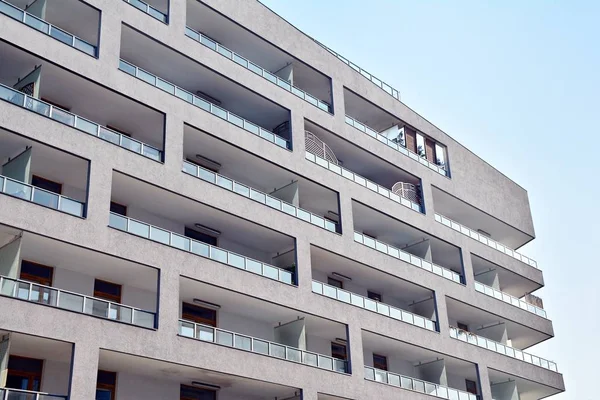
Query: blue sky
[[517, 82]]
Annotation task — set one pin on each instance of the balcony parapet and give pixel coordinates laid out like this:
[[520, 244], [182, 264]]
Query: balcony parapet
[[148, 9], [512, 300]]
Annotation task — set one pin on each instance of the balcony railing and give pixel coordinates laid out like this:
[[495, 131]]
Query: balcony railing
[[244, 62], [180, 242], [231, 339], [484, 239], [382, 85], [19, 394], [75, 302], [372, 305], [263, 198], [407, 257], [48, 29], [373, 133], [64, 117], [148, 9], [385, 192], [416, 385], [183, 94], [501, 348], [39, 196], [507, 298]]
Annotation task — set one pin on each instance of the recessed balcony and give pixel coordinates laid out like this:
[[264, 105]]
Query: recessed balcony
[[222, 35], [393, 132], [158, 9], [395, 363], [39, 86], [197, 85], [215, 161], [217, 315], [401, 241], [75, 24], [506, 386], [77, 280], [43, 175], [178, 222], [354, 163], [361, 286]]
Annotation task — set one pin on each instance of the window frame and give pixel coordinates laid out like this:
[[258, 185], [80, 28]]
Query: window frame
[[41, 178], [34, 278], [379, 365], [337, 282], [112, 387], [107, 296], [26, 374], [197, 319], [118, 205], [344, 354], [374, 296]]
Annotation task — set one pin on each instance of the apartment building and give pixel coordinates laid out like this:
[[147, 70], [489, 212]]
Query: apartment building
[[199, 201]]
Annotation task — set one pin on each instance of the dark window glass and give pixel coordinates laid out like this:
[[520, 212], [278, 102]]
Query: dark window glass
[[194, 393], [107, 377], [107, 290], [23, 364], [471, 386], [338, 351], [36, 272], [335, 283], [118, 208], [380, 362], [199, 314], [374, 296], [106, 384], [201, 237], [462, 326], [49, 185]]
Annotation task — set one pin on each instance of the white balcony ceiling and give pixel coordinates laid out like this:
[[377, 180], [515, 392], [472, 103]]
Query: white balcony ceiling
[[528, 390], [368, 113], [39, 347], [510, 282]]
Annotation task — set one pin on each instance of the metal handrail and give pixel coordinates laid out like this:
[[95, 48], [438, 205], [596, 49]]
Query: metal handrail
[[373, 133], [417, 385], [261, 197], [5, 392], [110, 304], [498, 347], [80, 123], [204, 250], [25, 16], [244, 62], [385, 192], [484, 239], [372, 305], [148, 9], [407, 257], [512, 300], [201, 103], [31, 197], [248, 343]]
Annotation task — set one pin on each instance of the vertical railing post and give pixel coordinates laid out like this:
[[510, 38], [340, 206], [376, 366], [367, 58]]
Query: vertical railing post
[[58, 298], [83, 304], [15, 288], [30, 291], [58, 205], [5, 397], [73, 40], [142, 148], [32, 194], [98, 130]]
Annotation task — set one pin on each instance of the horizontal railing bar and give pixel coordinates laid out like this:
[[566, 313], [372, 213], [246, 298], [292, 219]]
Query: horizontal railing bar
[[481, 288], [40, 189]]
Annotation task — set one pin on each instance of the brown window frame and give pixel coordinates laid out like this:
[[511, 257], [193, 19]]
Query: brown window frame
[[337, 354], [474, 383], [371, 295], [107, 386], [337, 282], [60, 185], [199, 320], [462, 326], [107, 296], [24, 374], [195, 389], [35, 278], [378, 365], [119, 205]]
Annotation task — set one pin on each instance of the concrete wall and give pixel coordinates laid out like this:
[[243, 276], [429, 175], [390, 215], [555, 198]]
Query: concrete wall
[[10, 256], [19, 167], [55, 377]]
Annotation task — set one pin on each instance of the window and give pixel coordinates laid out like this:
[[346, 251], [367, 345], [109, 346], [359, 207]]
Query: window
[[335, 283], [338, 350], [24, 373], [201, 237], [440, 156], [380, 362], [106, 384], [199, 314], [47, 184], [471, 386], [107, 291], [421, 145], [193, 393], [374, 296], [36, 273], [118, 208], [462, 326]]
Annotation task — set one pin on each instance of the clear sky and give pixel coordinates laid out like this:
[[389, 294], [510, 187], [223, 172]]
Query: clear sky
[[517, 82]]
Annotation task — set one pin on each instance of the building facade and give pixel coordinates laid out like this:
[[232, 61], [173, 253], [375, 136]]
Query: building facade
[[199, 201]]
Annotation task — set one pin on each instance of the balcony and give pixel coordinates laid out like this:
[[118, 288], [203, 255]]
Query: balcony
[[261, 327], [57, 20], [34, 368], [390, 130], [178, 222], [328, 150], [505, 386], [401, 241], [222, 35], [507, 298], [259, 180], [144, 58], [362, 286], [413, 368], [43, 175], [37, 85], [158, 9], [135, 377], [75, 279]]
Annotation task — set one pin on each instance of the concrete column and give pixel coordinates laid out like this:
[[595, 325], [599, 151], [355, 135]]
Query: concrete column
[[177, 16], [484, 382], [84, 368], [309, 394], [168, 302], [99, 193], [173, 150], [346, 217], [427, 198], [303, 266], [355, 353], [297, 135], [467, 267], [442, 313], [339, 109], [110, 36], [10, 260]]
